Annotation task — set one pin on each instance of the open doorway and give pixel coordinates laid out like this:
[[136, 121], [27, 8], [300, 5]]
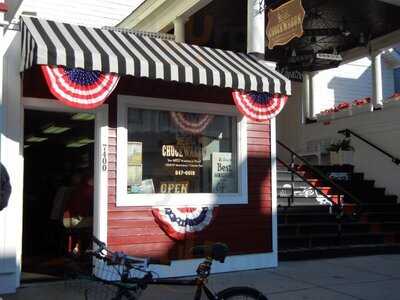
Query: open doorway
[[58, 190]]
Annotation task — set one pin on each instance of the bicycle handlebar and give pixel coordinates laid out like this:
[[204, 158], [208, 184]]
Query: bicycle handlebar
[[99, 243], [120, 257]]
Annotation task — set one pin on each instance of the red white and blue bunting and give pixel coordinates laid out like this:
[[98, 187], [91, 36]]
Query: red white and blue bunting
[[191, 123], [181, 223], [257, 106], [79, 88]]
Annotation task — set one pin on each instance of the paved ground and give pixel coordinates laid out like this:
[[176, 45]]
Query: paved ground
[[362, 278]]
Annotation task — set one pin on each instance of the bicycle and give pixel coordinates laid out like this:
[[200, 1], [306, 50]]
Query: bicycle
[[126, 276]]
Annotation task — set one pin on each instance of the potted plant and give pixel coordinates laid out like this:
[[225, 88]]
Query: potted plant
[[325, 115], [334, 153], [341, 153], [345, 152], [392, 101], [342, 110], [362, 105]]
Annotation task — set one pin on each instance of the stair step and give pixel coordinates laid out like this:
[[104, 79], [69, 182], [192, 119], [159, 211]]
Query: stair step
[[329, 240], [287, 176], [329, 168], [338, 251], [286, 191], [296, 184], [363, 192], [303, 201], [330, 228], [360, 177], [371, 199], [381, 207], [381, 217], [300, 183], [302, 218], [318, 209], [306, 228]]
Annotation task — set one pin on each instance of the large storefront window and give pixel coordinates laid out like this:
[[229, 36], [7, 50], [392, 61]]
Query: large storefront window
[[177, 152], [183, 157]]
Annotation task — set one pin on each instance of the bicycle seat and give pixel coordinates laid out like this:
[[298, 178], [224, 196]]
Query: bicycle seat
[[217, 251]]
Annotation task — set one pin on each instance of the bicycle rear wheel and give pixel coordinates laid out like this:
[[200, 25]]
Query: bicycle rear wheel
[[241, 293]]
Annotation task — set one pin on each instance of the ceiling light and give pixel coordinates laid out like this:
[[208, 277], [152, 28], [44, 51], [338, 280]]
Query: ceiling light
[[346, 33], [35, 139], [83, 117], [52, 129], [85, 141], [75, 145], [79, 142]]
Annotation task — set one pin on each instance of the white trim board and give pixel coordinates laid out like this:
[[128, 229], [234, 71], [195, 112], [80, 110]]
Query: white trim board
[[11, 119], [158, 15], [232, 263], [274, 193], [193, 199]]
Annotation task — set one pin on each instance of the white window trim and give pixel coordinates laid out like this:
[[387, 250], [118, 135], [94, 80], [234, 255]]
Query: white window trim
[[193, 199]]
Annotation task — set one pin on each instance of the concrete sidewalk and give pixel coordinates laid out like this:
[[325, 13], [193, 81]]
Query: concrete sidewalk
[[366, 278]]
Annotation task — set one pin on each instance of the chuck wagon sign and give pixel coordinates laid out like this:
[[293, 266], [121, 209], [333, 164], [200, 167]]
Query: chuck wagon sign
[[285, 23]]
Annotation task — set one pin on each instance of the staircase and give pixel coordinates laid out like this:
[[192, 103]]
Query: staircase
[[309, 228]]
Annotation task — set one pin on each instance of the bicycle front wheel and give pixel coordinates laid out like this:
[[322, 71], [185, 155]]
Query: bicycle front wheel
[[241, 293], [110, 292]]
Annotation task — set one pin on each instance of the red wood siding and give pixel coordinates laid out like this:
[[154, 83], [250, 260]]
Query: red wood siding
[[245, 228], [134, 230]]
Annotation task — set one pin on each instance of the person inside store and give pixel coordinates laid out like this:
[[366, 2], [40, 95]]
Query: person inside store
[[78, 214]]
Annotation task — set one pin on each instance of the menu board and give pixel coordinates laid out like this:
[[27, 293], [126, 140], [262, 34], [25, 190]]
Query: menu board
[[223, 173]]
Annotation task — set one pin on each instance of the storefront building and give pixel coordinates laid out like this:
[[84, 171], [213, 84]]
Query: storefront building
[[172, 160]]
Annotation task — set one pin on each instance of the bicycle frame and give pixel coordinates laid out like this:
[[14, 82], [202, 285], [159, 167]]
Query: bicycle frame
[[217, 252]]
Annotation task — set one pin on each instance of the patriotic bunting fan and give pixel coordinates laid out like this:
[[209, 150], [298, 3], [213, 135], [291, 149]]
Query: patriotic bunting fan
[[191, 123], [180, 223], [79, 88], [257, 106]]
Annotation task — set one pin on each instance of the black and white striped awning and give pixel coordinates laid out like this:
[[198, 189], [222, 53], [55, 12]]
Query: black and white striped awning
[[50, 43]]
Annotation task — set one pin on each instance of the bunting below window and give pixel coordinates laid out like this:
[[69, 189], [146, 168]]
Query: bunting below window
[[257, 106], [181, 223], [79, 88]]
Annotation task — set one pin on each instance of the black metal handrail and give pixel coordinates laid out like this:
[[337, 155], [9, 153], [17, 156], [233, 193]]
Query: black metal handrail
[[322, 176], [307, 182], [349, 132]]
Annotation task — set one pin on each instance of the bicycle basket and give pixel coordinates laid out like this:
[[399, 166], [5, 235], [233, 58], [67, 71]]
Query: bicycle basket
[[100, 290], [112, 268], [105, 271]]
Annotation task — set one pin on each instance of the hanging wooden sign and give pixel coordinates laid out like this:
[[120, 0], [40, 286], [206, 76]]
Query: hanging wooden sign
[[285, 23]]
